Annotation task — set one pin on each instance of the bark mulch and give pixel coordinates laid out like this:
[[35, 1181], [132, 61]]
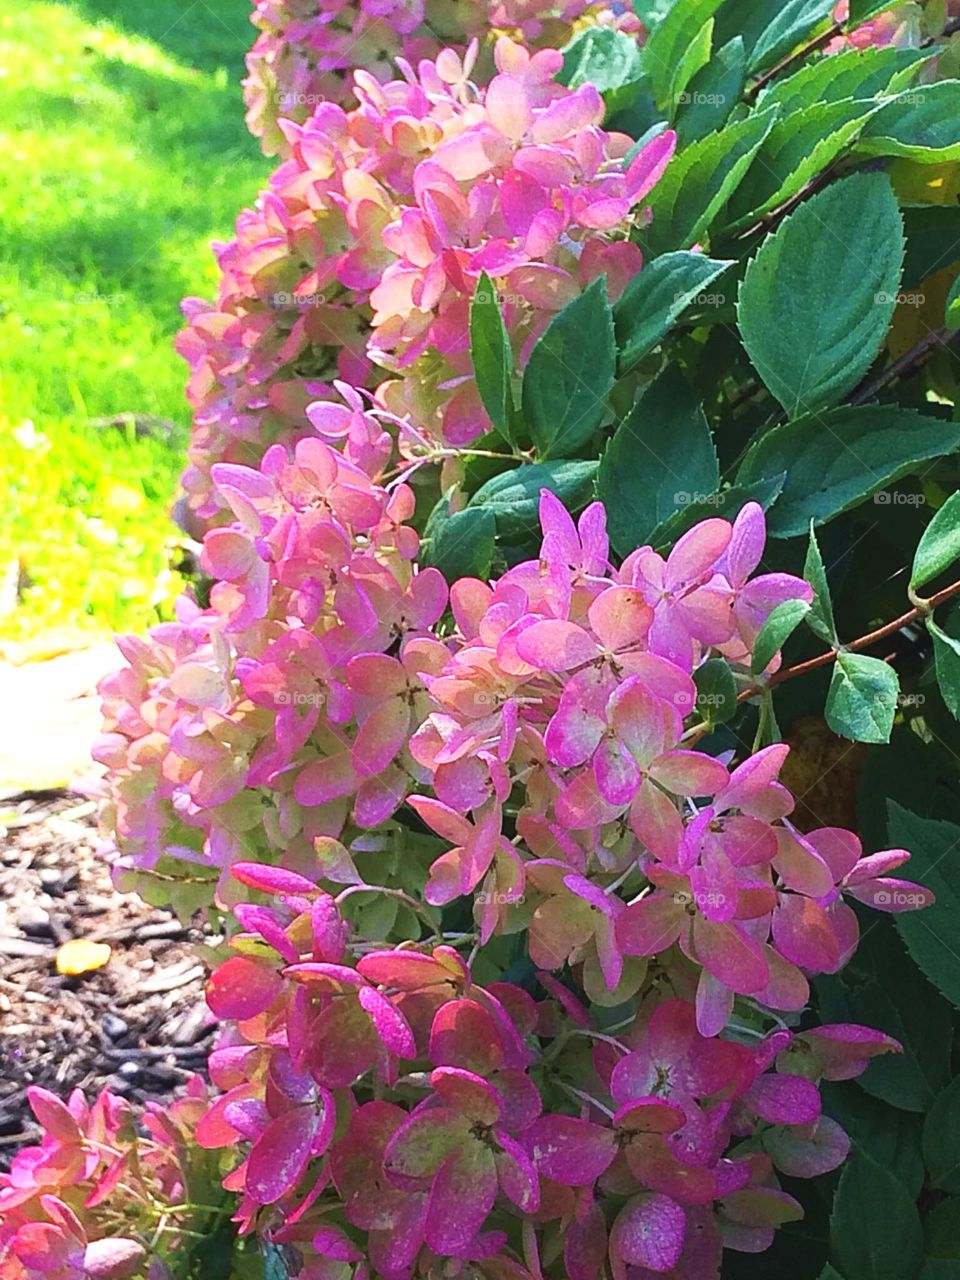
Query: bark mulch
[[139, 1024]]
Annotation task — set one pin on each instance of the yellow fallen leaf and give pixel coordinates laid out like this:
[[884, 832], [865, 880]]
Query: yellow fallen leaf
[[80, 956]]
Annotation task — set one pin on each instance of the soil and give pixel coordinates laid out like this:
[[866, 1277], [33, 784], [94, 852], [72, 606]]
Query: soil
[[139, 1024]]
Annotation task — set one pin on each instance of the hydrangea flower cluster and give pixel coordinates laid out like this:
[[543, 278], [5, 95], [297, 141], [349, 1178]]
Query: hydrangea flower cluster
[[307, 49], [98, 1199], [395, 1115], [367, 247]]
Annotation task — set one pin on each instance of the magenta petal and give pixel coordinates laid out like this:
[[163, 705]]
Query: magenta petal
[[242, 987], [462, 1196], [517, 1174], [555, 645], [616, 772], [280, 1154], [785, 1099], [649, 1115], [802, 933], [381, 737], [729, 955], [571, 1151], [391, 1026], [651, 925], [469, 1094], [649, 1232], [808, 1155]]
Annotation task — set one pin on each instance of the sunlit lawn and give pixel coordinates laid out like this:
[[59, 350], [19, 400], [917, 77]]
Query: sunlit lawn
[[125, 154]]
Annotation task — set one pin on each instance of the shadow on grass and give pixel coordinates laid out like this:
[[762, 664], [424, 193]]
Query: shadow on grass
[[205, 34]]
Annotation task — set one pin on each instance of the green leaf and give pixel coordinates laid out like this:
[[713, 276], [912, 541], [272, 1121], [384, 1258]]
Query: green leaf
[[514, 496], [835, 460], [799, 146], [781, 623], [875, 1230], [709, 98], [862, 701], [862, 10], [853, 73], [820, 618], [942, 1231], [946, 656], [791, 21], [699, 181], [921, 124], [609, 59], [886, 1134], [727, 503], [275, 1263], [952, 314], [656, 297], [716, 691], [569, 374], [460, 544], [678, 48], [816, 301], [661, 451], [930, 935], [830, 1273], [941, 1139], [940, 545], [492, 357]]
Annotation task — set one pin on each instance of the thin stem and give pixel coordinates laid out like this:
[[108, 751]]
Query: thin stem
[[922, 609], [399, 894], [905, 365], [811, 47]]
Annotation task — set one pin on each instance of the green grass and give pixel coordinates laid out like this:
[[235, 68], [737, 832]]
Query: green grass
[[121, 127]]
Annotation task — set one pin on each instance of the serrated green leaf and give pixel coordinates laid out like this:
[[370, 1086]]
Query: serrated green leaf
[[716, 691], [656, 297], [837, 459], [781, 623], [709, 98], [727, 503], [853, 73], [830, 1273], [514, 496], [921, 124], [569, 374], [952, 311], [791, 22], [817, 298], [607, 58], [884, 1133], [941, 1139], [940, 545], [946, 656], [930, 934], [875, 1229], [820, 618], [699, 181], [460, 544], [799, 146], [678, 48], [492, 357], [862, 701], [862, 10], [661, 451]]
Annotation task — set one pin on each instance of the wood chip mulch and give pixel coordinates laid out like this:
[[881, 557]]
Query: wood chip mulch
[[138, 1025]]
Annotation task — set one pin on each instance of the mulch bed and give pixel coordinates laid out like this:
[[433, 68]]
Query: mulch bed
[[138, 1025]]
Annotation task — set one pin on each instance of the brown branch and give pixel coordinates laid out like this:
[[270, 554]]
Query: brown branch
[[824, 38], [905, 365], [863, 642]]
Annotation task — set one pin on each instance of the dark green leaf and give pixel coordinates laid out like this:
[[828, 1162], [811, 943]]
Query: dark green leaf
[[660, 459], [835, 460], [780, 625], [817, 299], [656, 297], [678, 48], [885, 1134], [946, 654], [830, 1273], [711, 95], [491, 356], [941, 1139], [931, 934], [820, 619], [276, 1265], [799, 146], [727, 503], [952, 313], [854, 73], [790, 23], [933, 241], [862, 701], [569, 374], [922, 124], [460, 544], [699, 181], [940, 545], [514, 496], [607, 58], [875, 1230], [862, 10], [942, 1231], [716, 691]]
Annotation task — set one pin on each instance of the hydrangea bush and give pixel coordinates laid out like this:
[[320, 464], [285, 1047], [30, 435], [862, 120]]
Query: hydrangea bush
[[573, 669]]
